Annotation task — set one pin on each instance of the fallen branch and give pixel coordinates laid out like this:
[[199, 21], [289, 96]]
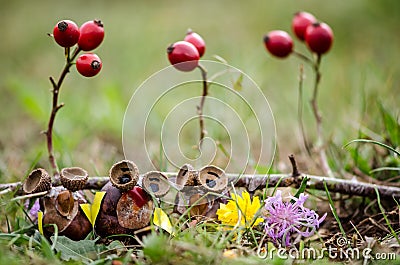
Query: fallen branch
[[256, 182]]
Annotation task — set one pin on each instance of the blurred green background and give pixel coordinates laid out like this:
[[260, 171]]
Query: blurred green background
[[362, 67]]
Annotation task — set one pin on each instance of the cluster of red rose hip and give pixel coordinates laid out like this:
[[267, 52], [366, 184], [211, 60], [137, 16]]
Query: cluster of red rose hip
[[185, 55], [88, 37], [317, 35]]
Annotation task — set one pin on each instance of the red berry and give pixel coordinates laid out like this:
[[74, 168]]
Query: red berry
[[92, 34], [138, 196], [278, 43], [196, 40], [88, 64], [319, 37], [66, 33], [183, 56], [300, 22]]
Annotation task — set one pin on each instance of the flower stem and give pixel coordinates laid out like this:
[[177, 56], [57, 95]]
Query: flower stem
[[200, 108], [56, 107]]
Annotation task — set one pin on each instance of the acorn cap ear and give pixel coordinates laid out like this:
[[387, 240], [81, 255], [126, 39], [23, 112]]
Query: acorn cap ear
[[155, 183], [124, 175], [186, 176], [73, 178], [38, 180], [213, 178]]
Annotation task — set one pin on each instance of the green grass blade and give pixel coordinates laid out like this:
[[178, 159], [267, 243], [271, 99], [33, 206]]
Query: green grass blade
[[331, 204], [385, 216], [373, 142]]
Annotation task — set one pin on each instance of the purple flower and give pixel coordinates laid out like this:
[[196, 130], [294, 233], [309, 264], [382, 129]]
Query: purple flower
[[33, 211], [284, 218]]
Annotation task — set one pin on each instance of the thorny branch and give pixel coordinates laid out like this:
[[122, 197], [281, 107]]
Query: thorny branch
[[201, 106], [320, 146], [56, 107]]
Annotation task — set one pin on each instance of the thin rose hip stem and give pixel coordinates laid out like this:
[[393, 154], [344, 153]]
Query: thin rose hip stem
[[201, 106], [56, 107], [318, 119], [314, 105]]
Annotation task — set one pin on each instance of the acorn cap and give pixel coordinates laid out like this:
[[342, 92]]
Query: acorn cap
[[124, 175], [73, 178], [187, 176], [213, 178], [37, 181], [155, 183]]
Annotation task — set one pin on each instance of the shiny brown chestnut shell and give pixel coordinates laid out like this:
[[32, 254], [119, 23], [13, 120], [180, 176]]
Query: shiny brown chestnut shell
[[132, 216], [74, 178], [37, 181], [124, 175], [61, 207]]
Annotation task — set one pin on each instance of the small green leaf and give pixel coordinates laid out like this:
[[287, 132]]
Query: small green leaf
[[76, 250], [391, 125], [46, 249], [237, 86]]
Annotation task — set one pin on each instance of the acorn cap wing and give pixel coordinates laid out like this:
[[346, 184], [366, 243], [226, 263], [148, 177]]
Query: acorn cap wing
[[213, 178], [156, 183]]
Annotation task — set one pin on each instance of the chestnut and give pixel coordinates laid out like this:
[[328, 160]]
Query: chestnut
[[61, 207], [197, 188]]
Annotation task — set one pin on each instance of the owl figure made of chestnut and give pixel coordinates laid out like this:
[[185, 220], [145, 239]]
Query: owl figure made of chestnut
[[200, 191], [127, 207], [60, 206]]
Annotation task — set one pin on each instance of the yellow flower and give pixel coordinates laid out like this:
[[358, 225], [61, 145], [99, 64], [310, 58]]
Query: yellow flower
[[242, 206]]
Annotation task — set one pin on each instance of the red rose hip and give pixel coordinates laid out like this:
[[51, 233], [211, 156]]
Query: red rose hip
[[88, 64], [91, 35], [183, 56], [196, 40], [278, 43], [66, 33], [300, 22], [319, 37]]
